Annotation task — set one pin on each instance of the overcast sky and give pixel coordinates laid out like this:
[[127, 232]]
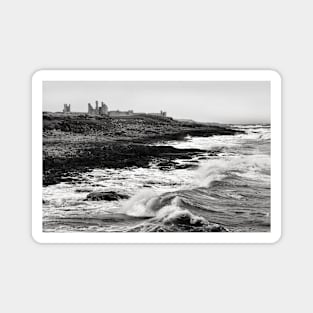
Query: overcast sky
[[223, 102]]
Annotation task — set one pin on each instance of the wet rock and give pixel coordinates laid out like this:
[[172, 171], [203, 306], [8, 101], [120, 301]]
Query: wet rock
[[185, 166], [218, 228], [105, 195], [74, 144], [203, 158], [82, 190], [166, 165]]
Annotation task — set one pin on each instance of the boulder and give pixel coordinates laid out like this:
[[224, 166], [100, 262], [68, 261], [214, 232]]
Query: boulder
[[105, 195]]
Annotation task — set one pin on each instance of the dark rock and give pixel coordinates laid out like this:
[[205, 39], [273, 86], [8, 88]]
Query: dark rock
[[184, 166], [166, 165], [218, 228], [105, 195], [82, 190], [75, 144]]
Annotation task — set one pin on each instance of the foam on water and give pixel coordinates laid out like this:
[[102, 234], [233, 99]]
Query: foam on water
[[173, 217], [252, 167], [144, 203], [173, 212], [230, 188]]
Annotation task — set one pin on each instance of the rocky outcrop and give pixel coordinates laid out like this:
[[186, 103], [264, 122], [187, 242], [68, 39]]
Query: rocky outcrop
[[105, 195], [73, 144], [108, 155]]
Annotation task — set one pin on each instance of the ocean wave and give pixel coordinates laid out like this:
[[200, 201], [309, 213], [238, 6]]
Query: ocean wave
[[224, 189], [173, 213], [144, 203], [166, 213], [219, 169], [251, 126]]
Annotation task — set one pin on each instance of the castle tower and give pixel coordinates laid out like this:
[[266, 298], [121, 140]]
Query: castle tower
[[98, 110], [90, 109], [104, 110], [67, 108]]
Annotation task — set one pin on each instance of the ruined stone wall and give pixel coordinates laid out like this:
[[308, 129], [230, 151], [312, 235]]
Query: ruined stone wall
[[120, 113], [102, 110], [162, 113], [67, 108]]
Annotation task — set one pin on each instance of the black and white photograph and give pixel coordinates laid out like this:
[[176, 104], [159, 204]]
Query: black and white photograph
[[156, 156]]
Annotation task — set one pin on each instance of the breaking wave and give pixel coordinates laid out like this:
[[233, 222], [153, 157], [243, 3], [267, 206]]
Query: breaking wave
[[173, 217], [252, 167], [226, 191]]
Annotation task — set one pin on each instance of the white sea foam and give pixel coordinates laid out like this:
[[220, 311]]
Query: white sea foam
[[253, 167], [148, 204], [143, 203], [173, 212], [245, 156], [208, 172]]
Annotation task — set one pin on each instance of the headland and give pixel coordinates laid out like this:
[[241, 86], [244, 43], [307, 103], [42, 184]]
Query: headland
[[78, 142]]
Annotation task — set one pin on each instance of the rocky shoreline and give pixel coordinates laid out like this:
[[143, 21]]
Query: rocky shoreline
[[75, 144]]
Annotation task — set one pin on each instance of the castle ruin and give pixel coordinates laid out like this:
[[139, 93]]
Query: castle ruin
[[102, 110], [67, 108], [118, 113], [162, 113]]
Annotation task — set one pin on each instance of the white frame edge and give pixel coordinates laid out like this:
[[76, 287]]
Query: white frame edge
[[154, 75]]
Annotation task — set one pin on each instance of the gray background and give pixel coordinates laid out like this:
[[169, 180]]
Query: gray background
[[159, 34]]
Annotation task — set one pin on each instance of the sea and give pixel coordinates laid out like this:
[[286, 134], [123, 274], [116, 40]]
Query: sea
[[228, 191]]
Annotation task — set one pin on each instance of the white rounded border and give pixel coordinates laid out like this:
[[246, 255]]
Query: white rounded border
[[156, 75]]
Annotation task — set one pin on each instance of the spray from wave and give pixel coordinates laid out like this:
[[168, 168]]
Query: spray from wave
[[166, 212], [172, 218], [229, 190], [144, 204], [217, 170]]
